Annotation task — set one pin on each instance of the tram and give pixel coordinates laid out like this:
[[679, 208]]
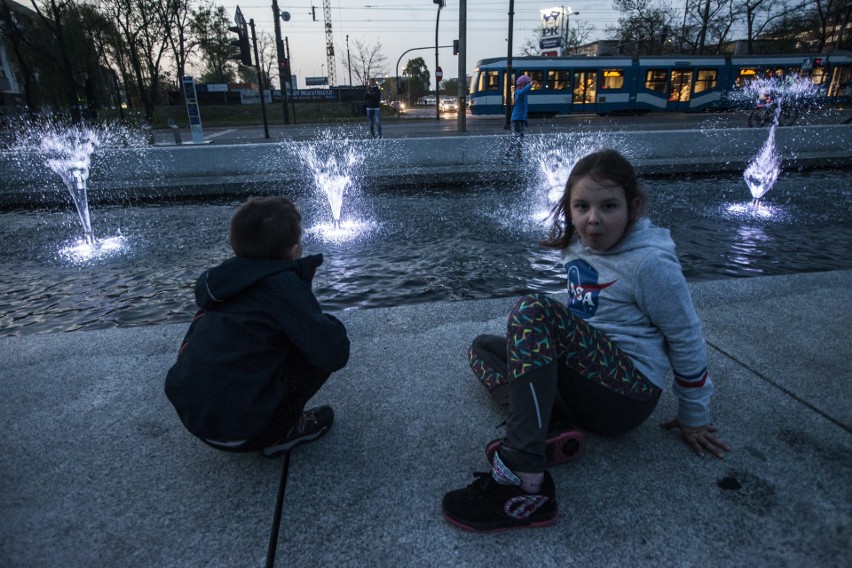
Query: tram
[[621, 84]]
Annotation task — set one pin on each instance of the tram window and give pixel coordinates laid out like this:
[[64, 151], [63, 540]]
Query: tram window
[[746, 76], [536, 76], [818, 76], [655, 80], [558, 80], [489, 81], [613, 79], [474, 81], [706, 80]]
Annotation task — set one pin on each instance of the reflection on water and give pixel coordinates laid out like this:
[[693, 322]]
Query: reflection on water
[[400, 247]]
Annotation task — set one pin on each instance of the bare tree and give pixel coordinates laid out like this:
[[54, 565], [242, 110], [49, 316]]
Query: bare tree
[[825, 14], [54, 17], [760, 16], [268, 58], [368, 61], [145, 39], [214, 43], [177, 17], [645, 27]]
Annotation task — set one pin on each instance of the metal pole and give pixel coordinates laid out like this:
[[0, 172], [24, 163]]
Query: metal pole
[[279, 49], [348, 60], [507, 87], [292, 99], [259, 80], [462, 80], [437, 81]]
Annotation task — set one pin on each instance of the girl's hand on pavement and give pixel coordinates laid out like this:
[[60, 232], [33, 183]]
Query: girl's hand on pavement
[[699, 438]]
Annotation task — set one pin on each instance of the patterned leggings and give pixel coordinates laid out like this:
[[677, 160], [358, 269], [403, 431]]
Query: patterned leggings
[[547, 349]]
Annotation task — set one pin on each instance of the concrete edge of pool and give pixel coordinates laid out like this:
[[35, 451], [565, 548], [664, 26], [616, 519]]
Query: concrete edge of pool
[[99, 472], [212, 170]]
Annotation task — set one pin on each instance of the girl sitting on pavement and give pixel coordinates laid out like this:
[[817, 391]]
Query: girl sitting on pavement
[[602, 360]]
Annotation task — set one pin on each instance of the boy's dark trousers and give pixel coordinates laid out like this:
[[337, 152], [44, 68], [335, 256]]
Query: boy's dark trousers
[[305, 379]]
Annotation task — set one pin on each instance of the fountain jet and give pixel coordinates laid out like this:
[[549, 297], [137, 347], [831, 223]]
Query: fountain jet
[[73, 150], [332, 163], [762, 172]]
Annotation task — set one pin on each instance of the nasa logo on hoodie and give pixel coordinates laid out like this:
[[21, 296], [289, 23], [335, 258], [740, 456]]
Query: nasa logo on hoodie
[[583, 288]]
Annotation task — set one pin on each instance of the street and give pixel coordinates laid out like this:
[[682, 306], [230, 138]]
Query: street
[[420, 122]]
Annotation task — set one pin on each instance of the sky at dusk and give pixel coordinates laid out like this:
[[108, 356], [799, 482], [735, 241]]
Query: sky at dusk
[[400, 25]]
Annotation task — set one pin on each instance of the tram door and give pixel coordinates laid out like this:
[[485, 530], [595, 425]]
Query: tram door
[[585, 91], [680, 89]]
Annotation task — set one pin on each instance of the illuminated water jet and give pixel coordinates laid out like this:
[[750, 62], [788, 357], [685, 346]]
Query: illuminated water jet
[[332, 162], [763, 170]]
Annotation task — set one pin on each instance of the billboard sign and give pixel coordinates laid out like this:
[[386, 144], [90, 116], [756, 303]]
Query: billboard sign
[[313, 81], [551, 22]]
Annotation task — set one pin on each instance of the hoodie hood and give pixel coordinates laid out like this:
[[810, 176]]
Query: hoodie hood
[[643, 234], [237, 274]]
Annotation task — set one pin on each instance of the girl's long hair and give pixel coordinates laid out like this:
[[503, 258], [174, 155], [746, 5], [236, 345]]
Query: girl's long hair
[[604, 166]]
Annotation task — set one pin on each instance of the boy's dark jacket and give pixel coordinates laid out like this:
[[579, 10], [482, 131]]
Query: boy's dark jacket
[[253, 312]]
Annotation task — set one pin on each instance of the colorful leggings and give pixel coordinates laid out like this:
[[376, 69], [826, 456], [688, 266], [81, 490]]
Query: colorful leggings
[[549, 350]]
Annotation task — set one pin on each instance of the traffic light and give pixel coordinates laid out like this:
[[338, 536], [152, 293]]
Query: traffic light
[[455, 47], [284, 68], [242, 41]]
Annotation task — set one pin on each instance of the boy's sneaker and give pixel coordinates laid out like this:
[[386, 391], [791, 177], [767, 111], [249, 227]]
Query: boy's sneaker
[[560, 447], [312, 424], [487, 505]]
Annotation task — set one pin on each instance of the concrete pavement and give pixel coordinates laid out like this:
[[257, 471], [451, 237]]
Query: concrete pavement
[[98, 471]]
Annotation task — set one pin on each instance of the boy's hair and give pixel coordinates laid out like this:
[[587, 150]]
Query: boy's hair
[[603, 166], [265, 227]]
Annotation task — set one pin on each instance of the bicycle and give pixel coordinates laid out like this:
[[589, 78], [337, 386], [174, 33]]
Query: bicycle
[[769, 108]]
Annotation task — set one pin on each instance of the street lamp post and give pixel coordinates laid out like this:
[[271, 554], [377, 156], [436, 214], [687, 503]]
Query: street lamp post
[[507, 87], [348, 60], [283, 63], [441, 4], [567, 12]]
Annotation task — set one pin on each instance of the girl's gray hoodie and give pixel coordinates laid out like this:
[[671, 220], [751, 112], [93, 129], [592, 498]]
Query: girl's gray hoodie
[[636, 294]]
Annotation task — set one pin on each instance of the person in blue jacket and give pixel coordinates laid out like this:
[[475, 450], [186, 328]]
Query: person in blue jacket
[[260, 346], [519, 116]]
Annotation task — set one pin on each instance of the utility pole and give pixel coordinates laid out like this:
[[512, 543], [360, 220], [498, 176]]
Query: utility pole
[[507, 87], [438, 72], [283, 62], [259, 80], [462, 82], [292, 99], [348, 60]]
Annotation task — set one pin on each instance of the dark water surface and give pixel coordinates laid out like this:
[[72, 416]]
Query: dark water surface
[[433, 245]]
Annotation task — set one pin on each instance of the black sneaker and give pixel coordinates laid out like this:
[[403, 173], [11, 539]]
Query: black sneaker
[[489, 506], [312, 424], [560, 447]]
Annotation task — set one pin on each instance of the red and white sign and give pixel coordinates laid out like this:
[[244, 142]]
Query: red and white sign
[[439, 73]]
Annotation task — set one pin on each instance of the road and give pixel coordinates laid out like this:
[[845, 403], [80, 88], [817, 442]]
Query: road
[[421, 122]]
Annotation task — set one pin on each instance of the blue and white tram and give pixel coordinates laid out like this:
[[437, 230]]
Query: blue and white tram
[[610, 84]]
